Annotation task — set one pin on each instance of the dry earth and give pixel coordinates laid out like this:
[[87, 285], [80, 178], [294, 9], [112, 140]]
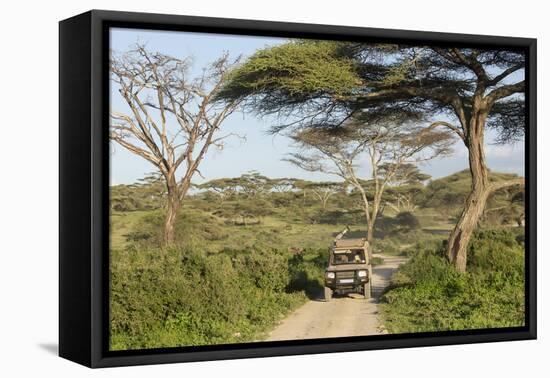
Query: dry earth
[[346, 315]]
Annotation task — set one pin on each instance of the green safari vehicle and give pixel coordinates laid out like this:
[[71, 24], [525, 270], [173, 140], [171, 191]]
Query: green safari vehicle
[[349, 268]]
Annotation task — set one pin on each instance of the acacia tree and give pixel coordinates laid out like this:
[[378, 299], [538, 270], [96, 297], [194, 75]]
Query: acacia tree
[[406, 174], [404, 198], [224, 187], [171, 119], [474, 89], [324, 190], [282, 185], [463, 90], [506, 206], [385, 144], [253, 184], [406, 183], [154, 188]]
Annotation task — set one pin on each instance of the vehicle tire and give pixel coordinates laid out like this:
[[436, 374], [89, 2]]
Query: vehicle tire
[[367, 290], [328, 294]]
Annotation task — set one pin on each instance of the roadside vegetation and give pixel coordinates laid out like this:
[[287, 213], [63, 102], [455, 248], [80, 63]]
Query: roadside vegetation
[[427, 294], [244, 259], [188, 296]]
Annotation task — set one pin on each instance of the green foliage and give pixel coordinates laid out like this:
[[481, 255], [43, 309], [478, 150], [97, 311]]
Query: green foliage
[[349, 217], [230, 282], [377, 261], [448, 194], [407, 221], [399, 227], [191, 226], [187, 296], [243, 211], [297, 69], [386, 246], [399, 243], [407, 174], [147, 194], [336, 78], [428, 294]]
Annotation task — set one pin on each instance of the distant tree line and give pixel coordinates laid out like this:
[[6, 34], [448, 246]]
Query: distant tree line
[[251, 196]]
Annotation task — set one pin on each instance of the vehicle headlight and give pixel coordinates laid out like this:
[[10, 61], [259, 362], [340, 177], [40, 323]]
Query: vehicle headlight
[[330, 275], [362, 273]]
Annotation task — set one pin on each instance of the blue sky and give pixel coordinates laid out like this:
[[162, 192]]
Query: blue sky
[[260, 151]]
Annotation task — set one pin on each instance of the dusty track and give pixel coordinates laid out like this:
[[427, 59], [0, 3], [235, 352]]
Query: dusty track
[[349, 315]]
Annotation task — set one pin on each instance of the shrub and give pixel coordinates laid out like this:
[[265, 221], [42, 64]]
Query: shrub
[[386, 246], [351, 217], [307, 271], [186, 296], [191, 226], [407, 220], [377, 261], [404, 222], [428, 294]]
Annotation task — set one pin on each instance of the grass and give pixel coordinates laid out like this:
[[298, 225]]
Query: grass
[[122, 224], [376, 260], [428, 294], [223, 235]]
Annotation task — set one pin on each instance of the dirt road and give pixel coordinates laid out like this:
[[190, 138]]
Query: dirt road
[[349, 315]]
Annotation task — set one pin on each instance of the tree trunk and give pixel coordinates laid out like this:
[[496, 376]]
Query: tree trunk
[[457, 247], [371, 219], [172, 209], [370, 231]]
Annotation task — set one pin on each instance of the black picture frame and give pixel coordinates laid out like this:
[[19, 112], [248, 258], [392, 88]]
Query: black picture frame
[[83, 196]]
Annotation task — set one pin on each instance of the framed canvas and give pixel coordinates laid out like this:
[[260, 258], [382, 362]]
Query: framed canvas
[[236, 188]]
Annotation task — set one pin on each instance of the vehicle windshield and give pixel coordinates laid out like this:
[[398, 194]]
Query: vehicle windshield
[[348, 256]]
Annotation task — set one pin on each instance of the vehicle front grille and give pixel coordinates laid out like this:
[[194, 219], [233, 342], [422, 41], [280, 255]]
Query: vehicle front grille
[[345, 274]]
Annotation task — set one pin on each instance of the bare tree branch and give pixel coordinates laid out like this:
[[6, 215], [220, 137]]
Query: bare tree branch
[[170, 118]]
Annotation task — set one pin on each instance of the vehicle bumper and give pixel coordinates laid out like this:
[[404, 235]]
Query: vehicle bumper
[[336, 284]]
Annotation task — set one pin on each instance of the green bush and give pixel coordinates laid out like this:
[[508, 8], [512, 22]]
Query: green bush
[[395, 227], [386, 246], [307, 271], [377, 261], [191, 226], [428, 294], [407, 220], [351, 217], [406, 243], [185, 296]]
